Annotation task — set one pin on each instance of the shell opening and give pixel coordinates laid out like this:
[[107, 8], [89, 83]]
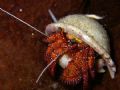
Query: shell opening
[[77, 33], [50, 29]]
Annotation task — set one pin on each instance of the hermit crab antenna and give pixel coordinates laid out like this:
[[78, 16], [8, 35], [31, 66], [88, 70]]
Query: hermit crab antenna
[[44, 71], [40, 75], [8, 13], [52, 16]]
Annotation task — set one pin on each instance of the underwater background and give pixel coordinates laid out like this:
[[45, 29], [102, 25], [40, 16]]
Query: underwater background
[[22, 49]]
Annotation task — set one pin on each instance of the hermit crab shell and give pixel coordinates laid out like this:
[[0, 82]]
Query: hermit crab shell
[[85, 27]]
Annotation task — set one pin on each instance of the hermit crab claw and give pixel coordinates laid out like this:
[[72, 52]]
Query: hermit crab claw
[[86, 28]]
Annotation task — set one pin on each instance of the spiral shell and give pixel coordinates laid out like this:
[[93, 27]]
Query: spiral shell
[[85, 27]]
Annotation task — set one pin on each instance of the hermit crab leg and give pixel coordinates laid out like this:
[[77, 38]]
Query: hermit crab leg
[[85, 68], [91, 59], [8, 13]]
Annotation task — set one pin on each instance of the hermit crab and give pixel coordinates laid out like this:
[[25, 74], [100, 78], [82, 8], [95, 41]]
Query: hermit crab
[[73, 42], [76, 38]]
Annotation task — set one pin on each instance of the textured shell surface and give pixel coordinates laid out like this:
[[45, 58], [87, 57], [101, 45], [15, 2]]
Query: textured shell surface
[[91, 27]]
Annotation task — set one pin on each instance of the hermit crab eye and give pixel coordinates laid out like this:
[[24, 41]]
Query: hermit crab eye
[[71, 41], [60, 29]]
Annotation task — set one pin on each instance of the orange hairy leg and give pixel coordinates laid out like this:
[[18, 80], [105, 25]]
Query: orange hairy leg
[[91, 61], [82, 59], [57, 44]]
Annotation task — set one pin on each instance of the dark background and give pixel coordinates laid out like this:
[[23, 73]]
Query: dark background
[[22, 54]]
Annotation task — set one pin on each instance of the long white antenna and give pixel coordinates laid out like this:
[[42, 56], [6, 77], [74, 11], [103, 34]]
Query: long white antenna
[[52, 16], [22, 21], [40, 75], [46, 68]]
